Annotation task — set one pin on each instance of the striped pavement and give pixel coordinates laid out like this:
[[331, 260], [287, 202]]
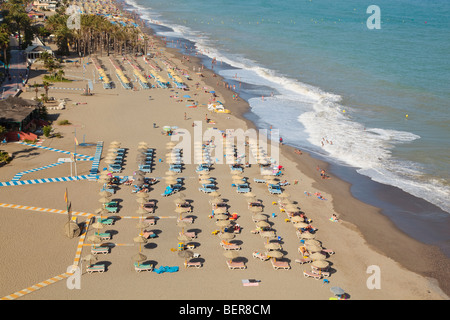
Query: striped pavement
[[62, 88], [96, 160], [19, 175], [37, 286], [45, 180], [56, 150]]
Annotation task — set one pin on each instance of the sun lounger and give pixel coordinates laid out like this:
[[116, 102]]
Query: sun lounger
[[205, 190], [151, 221], [187, 220], [191, 235], [95, 268], [242, 188], [149, 234], [329, 251], [230, 246], [259, 180], [107, 222], [115, 168], [274, 189], [277, 264], [149, 206], [145, 168], [190, 264], [235, 265], [260, 256], [307, 274], [319, 272], [111, 209], [99, 250], [143, 267], [303, 260], [104, 236]]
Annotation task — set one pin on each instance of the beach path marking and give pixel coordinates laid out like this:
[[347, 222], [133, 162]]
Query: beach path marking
[[37, 286]]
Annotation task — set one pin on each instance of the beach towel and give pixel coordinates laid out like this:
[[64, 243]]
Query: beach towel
[[166, 269]]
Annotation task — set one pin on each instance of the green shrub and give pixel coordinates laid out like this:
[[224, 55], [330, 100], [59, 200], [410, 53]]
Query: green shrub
[[4, 157], [47, 130], [63, 122]]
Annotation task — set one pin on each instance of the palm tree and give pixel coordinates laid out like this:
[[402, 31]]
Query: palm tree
[[60, 74], [4, 43]]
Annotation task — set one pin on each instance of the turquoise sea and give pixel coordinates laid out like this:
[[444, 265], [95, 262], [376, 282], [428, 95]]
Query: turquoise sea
[[380, 97]]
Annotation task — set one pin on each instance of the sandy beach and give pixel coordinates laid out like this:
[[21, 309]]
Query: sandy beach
[[36, 248]]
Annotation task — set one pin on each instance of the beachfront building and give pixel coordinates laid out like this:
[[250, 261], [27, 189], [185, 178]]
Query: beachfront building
[[34, 51], [16, 114], [49, 5]]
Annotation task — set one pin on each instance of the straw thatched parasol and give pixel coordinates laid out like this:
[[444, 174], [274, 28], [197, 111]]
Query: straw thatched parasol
[[105, 194], [262, 224], [313, 249], [72, 229], [141, 211], [256, 209], [142, 195], [221, 216], [297, 219], [104, 200], [275, 254], [89, 258], [183, 238], [231, 254], [220, 210], [186, 254], [273, 246], [226, 235], [307, 235], [141, 200], [223, 223], [140, 239], [216, 201], [313, 243], [179, 201], [139, 258], [300, 225], [317, 256], [321, 264], [260, 217]]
